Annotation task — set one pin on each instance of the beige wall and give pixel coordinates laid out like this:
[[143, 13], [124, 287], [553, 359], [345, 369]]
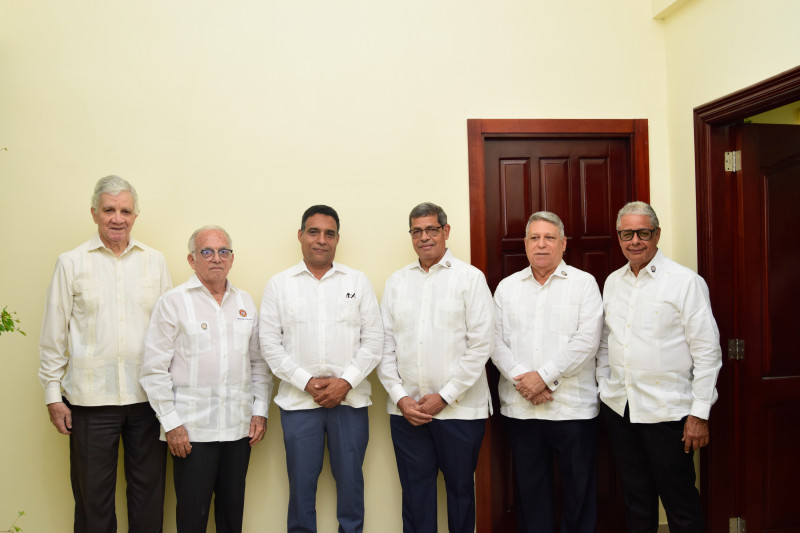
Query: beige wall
[[244, 113], [714, 48]]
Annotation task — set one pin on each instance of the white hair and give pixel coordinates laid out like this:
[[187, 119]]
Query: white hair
[[114, 185], [547, 216], [209, 227], [638, 208]]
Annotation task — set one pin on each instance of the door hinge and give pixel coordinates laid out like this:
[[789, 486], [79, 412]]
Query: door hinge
[[733, 161], [736, 525], [736, 349]]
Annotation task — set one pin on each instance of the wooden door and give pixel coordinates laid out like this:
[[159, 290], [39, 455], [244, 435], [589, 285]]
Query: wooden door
[[767, 315], [585, 179]]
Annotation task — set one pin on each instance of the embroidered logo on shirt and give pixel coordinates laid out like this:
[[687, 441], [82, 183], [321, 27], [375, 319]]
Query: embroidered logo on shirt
[[203, 326], [242, 313], [350, 295]]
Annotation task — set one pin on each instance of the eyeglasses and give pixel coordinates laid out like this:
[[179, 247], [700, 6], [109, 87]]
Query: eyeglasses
[[208, 253], [432, 231], [644, 234]]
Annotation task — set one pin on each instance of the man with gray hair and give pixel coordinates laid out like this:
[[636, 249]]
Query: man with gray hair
[[437, 319], [548, 321], [657, 368], [208, 384], [97, 311]]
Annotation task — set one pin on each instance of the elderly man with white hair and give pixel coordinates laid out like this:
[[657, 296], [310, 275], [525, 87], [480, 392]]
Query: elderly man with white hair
[[208, 384], [657, 368], [97, 311], [548, 321]]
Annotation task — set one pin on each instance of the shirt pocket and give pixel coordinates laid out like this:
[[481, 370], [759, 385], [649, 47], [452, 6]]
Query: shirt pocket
[[197, 339], [147, 293], [565, 319], [656, 318], [403, 316], [295, 310], [449, 315], [86, 294], [242, 330], [194, 406], [661, 390], [348, 311]]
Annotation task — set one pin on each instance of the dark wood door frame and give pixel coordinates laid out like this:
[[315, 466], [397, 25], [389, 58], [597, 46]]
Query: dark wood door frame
[[718, 228], [478, 130]]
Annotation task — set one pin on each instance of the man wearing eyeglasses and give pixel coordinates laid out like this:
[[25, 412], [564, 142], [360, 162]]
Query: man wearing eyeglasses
[[321, 334], [438, 319], [208, 384], [97, 311], [657, 368]]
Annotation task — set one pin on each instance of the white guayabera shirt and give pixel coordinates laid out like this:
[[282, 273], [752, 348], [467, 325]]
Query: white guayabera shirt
[[438, 337], [660, 350], [202, 364], [97, 311], [329, 327], [554, 329]]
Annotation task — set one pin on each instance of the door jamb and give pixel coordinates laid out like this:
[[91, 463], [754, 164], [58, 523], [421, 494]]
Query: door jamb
[[710, 120]]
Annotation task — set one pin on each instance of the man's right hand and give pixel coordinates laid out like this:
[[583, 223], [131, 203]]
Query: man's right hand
[[178, 442], [315, 386], [413, 412], [61, 417]]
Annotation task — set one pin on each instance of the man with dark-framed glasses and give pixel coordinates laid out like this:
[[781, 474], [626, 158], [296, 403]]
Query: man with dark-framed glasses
[[438, 320], [208, 384], [657, 368]]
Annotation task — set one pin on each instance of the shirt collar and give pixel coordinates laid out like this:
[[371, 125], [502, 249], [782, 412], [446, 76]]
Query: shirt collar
[[446, 261], [652, 268], [195, 283], [559, 272], [96, 243], [301, 267]]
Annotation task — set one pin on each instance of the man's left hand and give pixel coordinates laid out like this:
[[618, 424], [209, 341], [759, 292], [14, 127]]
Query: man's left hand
[[432, 404], [695, 433], [258, 427], [334, 393], [529, 385]]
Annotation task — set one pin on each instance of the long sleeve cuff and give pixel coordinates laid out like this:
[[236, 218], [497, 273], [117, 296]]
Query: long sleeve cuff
[[550, 374], [449, 393], [700, 409], [52, 393], [518, 370], [260, 408], [352, 375], [300, 378], [397, 393], [170, 421]]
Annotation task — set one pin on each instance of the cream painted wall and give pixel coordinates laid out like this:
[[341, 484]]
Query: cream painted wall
[[714, 48], [244, 113]]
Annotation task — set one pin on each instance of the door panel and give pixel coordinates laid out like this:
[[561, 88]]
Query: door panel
[[585, 181], [767, 255]]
